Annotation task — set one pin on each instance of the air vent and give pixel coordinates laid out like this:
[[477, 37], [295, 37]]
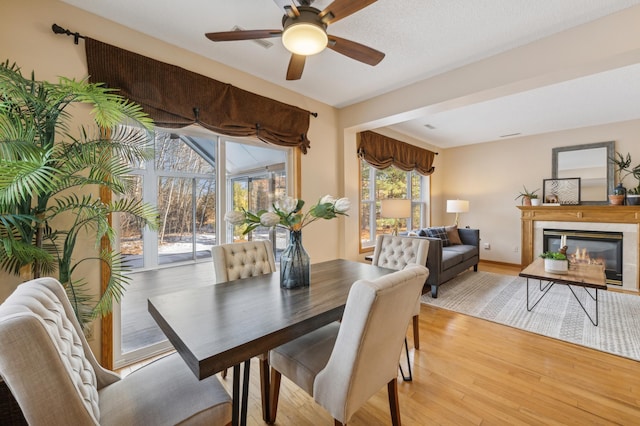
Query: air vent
[[510, 134], [429, 126], [264, 43]]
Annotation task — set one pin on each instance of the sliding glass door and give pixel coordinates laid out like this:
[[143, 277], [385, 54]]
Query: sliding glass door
[[182, 181]]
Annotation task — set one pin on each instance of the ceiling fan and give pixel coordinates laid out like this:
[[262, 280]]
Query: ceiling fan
[[304, 33]]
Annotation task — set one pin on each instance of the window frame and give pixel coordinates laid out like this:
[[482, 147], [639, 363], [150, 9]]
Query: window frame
[[373, 204], [111, 344]]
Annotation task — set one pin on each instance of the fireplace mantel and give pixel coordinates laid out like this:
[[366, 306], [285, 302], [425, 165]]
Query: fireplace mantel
[[586, 213]]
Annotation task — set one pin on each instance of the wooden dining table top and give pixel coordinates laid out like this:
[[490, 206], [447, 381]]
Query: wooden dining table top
[[221, 325]]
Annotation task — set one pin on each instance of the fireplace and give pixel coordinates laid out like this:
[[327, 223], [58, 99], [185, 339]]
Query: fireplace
[[593, 247]]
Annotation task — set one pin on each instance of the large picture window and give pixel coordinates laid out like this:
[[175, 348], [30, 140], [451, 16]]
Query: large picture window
[[376, 185], [194, 178]]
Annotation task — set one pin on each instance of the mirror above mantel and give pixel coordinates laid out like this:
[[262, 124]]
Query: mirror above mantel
[[590, 162]]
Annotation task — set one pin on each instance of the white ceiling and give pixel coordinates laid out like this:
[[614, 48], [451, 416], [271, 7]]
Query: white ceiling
[[421, 38]]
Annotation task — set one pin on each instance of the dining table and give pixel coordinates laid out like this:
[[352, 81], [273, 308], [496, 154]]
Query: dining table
[[224, 325]]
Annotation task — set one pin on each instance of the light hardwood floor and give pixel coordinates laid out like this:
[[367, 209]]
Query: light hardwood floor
[[470, 372]]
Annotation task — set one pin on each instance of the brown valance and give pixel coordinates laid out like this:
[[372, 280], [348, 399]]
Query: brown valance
[[381, 152], [175, 97]]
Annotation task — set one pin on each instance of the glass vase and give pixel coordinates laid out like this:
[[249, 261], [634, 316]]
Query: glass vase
[[294, 263], [620, 190]]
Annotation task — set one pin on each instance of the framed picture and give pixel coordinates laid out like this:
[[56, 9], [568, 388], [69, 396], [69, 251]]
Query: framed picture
[[561, 191]]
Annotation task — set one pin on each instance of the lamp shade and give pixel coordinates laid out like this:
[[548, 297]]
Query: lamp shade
[[395, 208], [457, 206]]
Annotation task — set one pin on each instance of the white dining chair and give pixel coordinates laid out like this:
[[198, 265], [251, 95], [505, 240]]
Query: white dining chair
[[47, 364], [396, 252], [243, 260], [344, 363]]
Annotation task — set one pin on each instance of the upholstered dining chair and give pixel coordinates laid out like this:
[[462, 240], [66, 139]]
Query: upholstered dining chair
[[47, 364], [243, 260], [396, 252], [344, 363]]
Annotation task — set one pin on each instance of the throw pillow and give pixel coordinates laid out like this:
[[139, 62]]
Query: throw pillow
[[423, 233], [452, 233], [441, 233]]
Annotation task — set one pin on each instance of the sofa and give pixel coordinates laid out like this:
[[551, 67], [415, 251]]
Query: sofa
[[448, 255]]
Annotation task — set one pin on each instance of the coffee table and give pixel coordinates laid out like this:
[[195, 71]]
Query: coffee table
[[585, 276]]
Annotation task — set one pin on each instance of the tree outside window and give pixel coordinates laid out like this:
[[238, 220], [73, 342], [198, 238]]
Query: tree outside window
[[376, 185]]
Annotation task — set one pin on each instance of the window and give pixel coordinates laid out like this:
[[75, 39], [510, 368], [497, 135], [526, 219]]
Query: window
[[256, 188], [193, 179], [377, 185], [180, 181]]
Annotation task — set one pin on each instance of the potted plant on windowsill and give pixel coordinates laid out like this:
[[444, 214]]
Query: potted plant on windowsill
[[528, 197], [555, 262]]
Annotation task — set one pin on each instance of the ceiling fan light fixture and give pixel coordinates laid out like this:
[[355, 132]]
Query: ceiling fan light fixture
[[304, 38]]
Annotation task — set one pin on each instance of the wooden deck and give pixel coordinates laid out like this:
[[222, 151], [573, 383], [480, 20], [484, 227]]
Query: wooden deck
[[138, 328]]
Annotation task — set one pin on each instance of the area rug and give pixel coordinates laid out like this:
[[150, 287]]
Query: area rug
[[503, 299]]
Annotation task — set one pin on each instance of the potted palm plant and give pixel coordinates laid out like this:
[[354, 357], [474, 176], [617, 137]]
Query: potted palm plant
[[50, 180]]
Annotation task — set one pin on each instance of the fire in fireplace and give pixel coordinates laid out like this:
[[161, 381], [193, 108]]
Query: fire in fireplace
[[592, 247]]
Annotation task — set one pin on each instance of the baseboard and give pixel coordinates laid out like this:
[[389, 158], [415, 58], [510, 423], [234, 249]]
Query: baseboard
[[496, 263]]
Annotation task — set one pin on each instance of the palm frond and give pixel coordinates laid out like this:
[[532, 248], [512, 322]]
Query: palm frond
[[117, 282], [109, 108], [145, 211]]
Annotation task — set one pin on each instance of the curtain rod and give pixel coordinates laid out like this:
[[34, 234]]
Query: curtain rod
[[76, 36], [59, 30]]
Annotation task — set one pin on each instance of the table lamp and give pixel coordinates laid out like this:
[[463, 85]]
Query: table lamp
[[395, 208], [457, 207]]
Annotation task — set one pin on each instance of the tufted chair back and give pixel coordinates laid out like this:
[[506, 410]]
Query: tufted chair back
[[242, 260], [396, 252], [46, 360]]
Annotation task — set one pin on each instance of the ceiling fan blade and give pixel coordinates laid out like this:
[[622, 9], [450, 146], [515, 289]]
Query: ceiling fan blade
[[291, 10], [342, 8], [282, 3], [296, 65], [243, 35], [354, 50]]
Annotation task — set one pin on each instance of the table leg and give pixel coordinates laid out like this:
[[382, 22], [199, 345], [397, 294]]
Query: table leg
[[235, 397], [240, 396], [545, 289], [408, 378], [594, 322]]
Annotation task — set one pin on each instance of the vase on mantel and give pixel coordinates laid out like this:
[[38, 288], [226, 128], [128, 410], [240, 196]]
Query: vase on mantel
[[294, 263], [619, 195]]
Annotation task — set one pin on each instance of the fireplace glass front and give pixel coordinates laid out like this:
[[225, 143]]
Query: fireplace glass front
[[590, 247]]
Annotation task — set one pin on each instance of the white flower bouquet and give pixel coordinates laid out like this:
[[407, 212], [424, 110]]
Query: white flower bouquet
[[287, 213]]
